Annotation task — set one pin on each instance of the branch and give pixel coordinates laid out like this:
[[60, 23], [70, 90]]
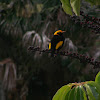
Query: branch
[[80, 57], [87, 22]]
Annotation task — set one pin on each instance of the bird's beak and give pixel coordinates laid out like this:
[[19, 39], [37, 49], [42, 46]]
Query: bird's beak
[[63, 31]]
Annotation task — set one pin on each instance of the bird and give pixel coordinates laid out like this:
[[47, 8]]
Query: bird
[[57, 42]]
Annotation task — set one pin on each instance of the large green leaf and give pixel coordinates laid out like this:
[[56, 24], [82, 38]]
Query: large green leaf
[[61, 93], [76, 6], [89, 92], [97, 79], [66, 6]]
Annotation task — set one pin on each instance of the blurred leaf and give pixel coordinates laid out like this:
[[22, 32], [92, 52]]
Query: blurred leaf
[[66, 6], [97, 2], [97, 79], [76, 6], [93, 2], [39, 7]]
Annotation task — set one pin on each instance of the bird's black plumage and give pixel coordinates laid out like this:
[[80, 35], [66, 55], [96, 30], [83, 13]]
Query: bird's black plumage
[[54, 41]]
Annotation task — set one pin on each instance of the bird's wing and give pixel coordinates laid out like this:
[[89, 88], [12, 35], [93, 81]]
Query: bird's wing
[[59, 44], [49, 46]]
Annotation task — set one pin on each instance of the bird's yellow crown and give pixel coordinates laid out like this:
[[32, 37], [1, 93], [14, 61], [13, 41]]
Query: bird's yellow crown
[[56, 33]]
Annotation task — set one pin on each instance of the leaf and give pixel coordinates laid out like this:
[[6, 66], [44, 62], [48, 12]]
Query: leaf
[[89, 92], [65, 92], [95, 93], [84, 93], [95, 89], [71, 94], [61, 93], [79, 93], [67, 95], [67, 6], [94, 84], [75, 4], [97, 79]]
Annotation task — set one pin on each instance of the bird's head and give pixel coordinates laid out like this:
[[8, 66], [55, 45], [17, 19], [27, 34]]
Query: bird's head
[[59, 32]]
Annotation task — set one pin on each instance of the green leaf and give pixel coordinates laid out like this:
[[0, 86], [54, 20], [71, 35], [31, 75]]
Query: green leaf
[[67, 95], [94, 84], [95, 89], [84, 93], [66, 6], [61, 93], [65, 92], [95, 93], [79, 93], [76, 6], [89, 92], [71, 94], [97, 79]]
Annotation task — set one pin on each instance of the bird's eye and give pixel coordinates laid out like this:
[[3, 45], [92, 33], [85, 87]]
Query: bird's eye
[[59, 33]]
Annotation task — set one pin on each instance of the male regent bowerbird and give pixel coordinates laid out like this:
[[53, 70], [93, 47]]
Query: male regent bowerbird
[[57, 42]]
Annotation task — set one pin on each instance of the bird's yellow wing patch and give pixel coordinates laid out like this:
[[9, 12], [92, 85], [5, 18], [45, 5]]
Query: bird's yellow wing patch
[[49, 45], [59, 44]]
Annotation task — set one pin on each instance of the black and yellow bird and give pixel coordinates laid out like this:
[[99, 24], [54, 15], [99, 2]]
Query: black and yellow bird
[[57, 42]]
